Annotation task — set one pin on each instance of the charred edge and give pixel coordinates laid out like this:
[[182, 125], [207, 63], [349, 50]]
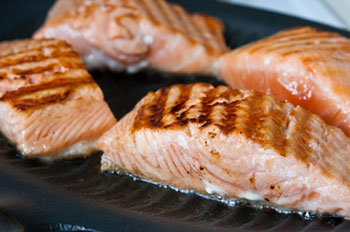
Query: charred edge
[[42, 44], [45, 86], [38, 57], [26, 104], [151, 115], [139, 121], [157, 110]]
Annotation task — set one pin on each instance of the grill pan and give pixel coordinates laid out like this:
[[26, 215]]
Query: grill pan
[[74, 196]]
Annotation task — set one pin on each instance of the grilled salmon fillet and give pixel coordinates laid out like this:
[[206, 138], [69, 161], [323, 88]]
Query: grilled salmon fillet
[[233, 143], [306, 66], [50, 107], [134, 34]]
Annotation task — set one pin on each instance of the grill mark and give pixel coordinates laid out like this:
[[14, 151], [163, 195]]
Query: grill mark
[[184, 96], [286, 38], [151, 115], [314, 50], [187, 22], [148, 115], [48, 68], [300, 137], [304, 44], [325, 58], [205, 26], [253, 128], [254, 123], [216, 33], [276, 39], [45, 86], [36, 58], [294, 32], [26, 104], [35, 47], [197, 27], [228, 123], [158, 109], [281, 123], [206, 108], [144, 9], [152, 7], [182, 24], [166, 12]]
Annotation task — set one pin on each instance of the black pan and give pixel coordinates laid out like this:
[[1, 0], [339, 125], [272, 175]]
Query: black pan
[[75, 196]]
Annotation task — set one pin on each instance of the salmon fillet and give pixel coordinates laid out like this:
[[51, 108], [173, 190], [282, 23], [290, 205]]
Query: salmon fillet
[[134, 34], [50, 107], [233, 143], [306, 66]]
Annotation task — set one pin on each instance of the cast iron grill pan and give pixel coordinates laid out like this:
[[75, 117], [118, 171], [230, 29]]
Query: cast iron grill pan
[[74, 196]]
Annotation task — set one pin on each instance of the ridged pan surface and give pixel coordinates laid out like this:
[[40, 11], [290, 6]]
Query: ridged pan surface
[[74, 195]]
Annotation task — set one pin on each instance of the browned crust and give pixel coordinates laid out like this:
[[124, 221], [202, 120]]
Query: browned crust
[[151, 114], [23, 60], [262, 119], [253, 106], [25, 104], [25, 99], [46, 86]]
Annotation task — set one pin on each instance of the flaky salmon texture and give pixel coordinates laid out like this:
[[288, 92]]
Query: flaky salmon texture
[[134, 34], [303, 65], [50, 107], [233, 143]]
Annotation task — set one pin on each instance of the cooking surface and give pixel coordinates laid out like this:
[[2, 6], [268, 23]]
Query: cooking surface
[[66, 193]]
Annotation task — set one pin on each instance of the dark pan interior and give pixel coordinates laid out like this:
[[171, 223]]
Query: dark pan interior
[[74, 196]]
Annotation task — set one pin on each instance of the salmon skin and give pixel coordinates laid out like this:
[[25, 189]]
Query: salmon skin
[[50, 107], [134, 34], [306, 66], [233, 143]]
